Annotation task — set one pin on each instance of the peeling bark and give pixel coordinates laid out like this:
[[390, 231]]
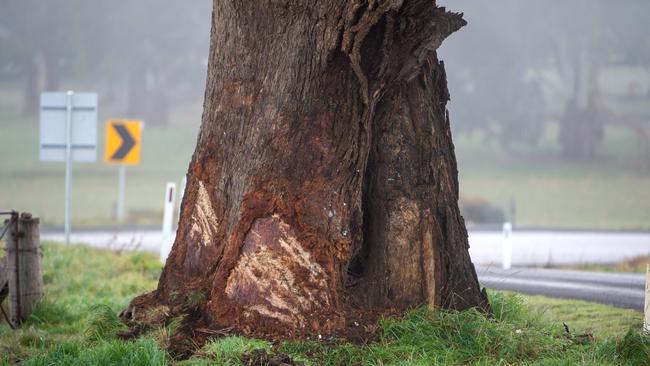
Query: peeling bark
[[324, 182]]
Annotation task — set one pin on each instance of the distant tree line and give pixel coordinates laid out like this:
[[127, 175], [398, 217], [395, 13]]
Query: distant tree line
[[139, 53], [513, 69], [523, 63]]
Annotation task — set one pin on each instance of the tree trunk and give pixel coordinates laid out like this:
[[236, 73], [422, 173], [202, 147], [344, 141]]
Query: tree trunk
[[581, 126], [40, 75], [324, 182]]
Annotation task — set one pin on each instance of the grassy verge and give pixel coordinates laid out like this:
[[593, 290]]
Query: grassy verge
[[86, 288], [632, 265], [80, 282]]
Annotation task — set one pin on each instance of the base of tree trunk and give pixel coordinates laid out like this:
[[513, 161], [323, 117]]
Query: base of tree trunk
[[323, 192]]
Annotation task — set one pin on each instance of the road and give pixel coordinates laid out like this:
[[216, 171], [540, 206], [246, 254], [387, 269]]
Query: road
[[624, 290], [543, 248], [530, 248], [128, 239]]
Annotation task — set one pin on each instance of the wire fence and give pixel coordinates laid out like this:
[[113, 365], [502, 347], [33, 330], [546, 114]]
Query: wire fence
[[13, 215]]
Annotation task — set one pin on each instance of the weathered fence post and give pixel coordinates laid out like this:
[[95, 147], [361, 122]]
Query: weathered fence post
[[24, 272]]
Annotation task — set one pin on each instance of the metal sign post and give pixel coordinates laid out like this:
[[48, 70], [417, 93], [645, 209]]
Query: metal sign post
[[121, 187], [68, 132]]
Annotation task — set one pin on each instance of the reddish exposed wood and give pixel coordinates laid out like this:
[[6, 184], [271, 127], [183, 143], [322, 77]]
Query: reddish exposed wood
[[323, 189]]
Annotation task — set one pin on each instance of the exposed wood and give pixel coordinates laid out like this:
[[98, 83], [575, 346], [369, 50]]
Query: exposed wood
[[324, 183], [24, 267]]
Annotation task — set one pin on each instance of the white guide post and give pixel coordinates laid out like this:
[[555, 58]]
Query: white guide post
[[68, 165], [646, 312], [168, 217], [507, 246]]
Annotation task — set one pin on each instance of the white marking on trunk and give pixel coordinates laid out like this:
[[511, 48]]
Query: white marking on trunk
[[204, 221], [272, 314], [264, 279]]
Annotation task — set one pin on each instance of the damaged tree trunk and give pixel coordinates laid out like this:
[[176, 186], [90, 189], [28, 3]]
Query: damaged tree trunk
[[324, 182]]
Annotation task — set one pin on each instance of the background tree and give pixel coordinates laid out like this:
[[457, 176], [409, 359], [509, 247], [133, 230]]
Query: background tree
[[545, 64], [27, 53], [324, 184], [136, 58]]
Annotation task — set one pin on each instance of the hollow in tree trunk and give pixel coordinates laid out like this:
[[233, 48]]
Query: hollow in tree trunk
[[324, 183]]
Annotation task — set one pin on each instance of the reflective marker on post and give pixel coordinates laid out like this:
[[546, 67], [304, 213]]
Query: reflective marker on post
[[507, 246], [168, 216]]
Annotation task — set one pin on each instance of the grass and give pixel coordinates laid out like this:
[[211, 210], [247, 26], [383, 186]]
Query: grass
[[632, 265], [76, 324], [83, 287], [602, 321]]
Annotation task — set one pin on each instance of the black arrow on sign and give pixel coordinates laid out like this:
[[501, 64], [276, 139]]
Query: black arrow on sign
[[127, 142]]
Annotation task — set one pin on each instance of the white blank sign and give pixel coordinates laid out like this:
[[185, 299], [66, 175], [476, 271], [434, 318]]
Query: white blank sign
[[83, 129]]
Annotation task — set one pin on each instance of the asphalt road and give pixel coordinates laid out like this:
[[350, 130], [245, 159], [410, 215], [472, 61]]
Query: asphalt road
[[624, 290], [530, 248], [544, 248]]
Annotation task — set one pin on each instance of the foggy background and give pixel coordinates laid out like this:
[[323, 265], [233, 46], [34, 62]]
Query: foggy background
[[550, 106]]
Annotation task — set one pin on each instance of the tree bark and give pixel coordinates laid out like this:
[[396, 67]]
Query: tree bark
[[324, 182]]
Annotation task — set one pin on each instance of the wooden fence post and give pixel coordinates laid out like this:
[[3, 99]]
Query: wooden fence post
[[24, 272]]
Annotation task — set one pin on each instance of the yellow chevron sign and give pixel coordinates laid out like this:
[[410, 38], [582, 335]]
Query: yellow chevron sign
[[123, 141]]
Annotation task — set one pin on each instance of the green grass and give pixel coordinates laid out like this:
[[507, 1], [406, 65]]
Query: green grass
[[516, 335], [76, 324], [602, 321], [632, 265], [82, 286]]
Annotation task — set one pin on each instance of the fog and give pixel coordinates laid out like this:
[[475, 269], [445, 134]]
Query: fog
[[550, 106]]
